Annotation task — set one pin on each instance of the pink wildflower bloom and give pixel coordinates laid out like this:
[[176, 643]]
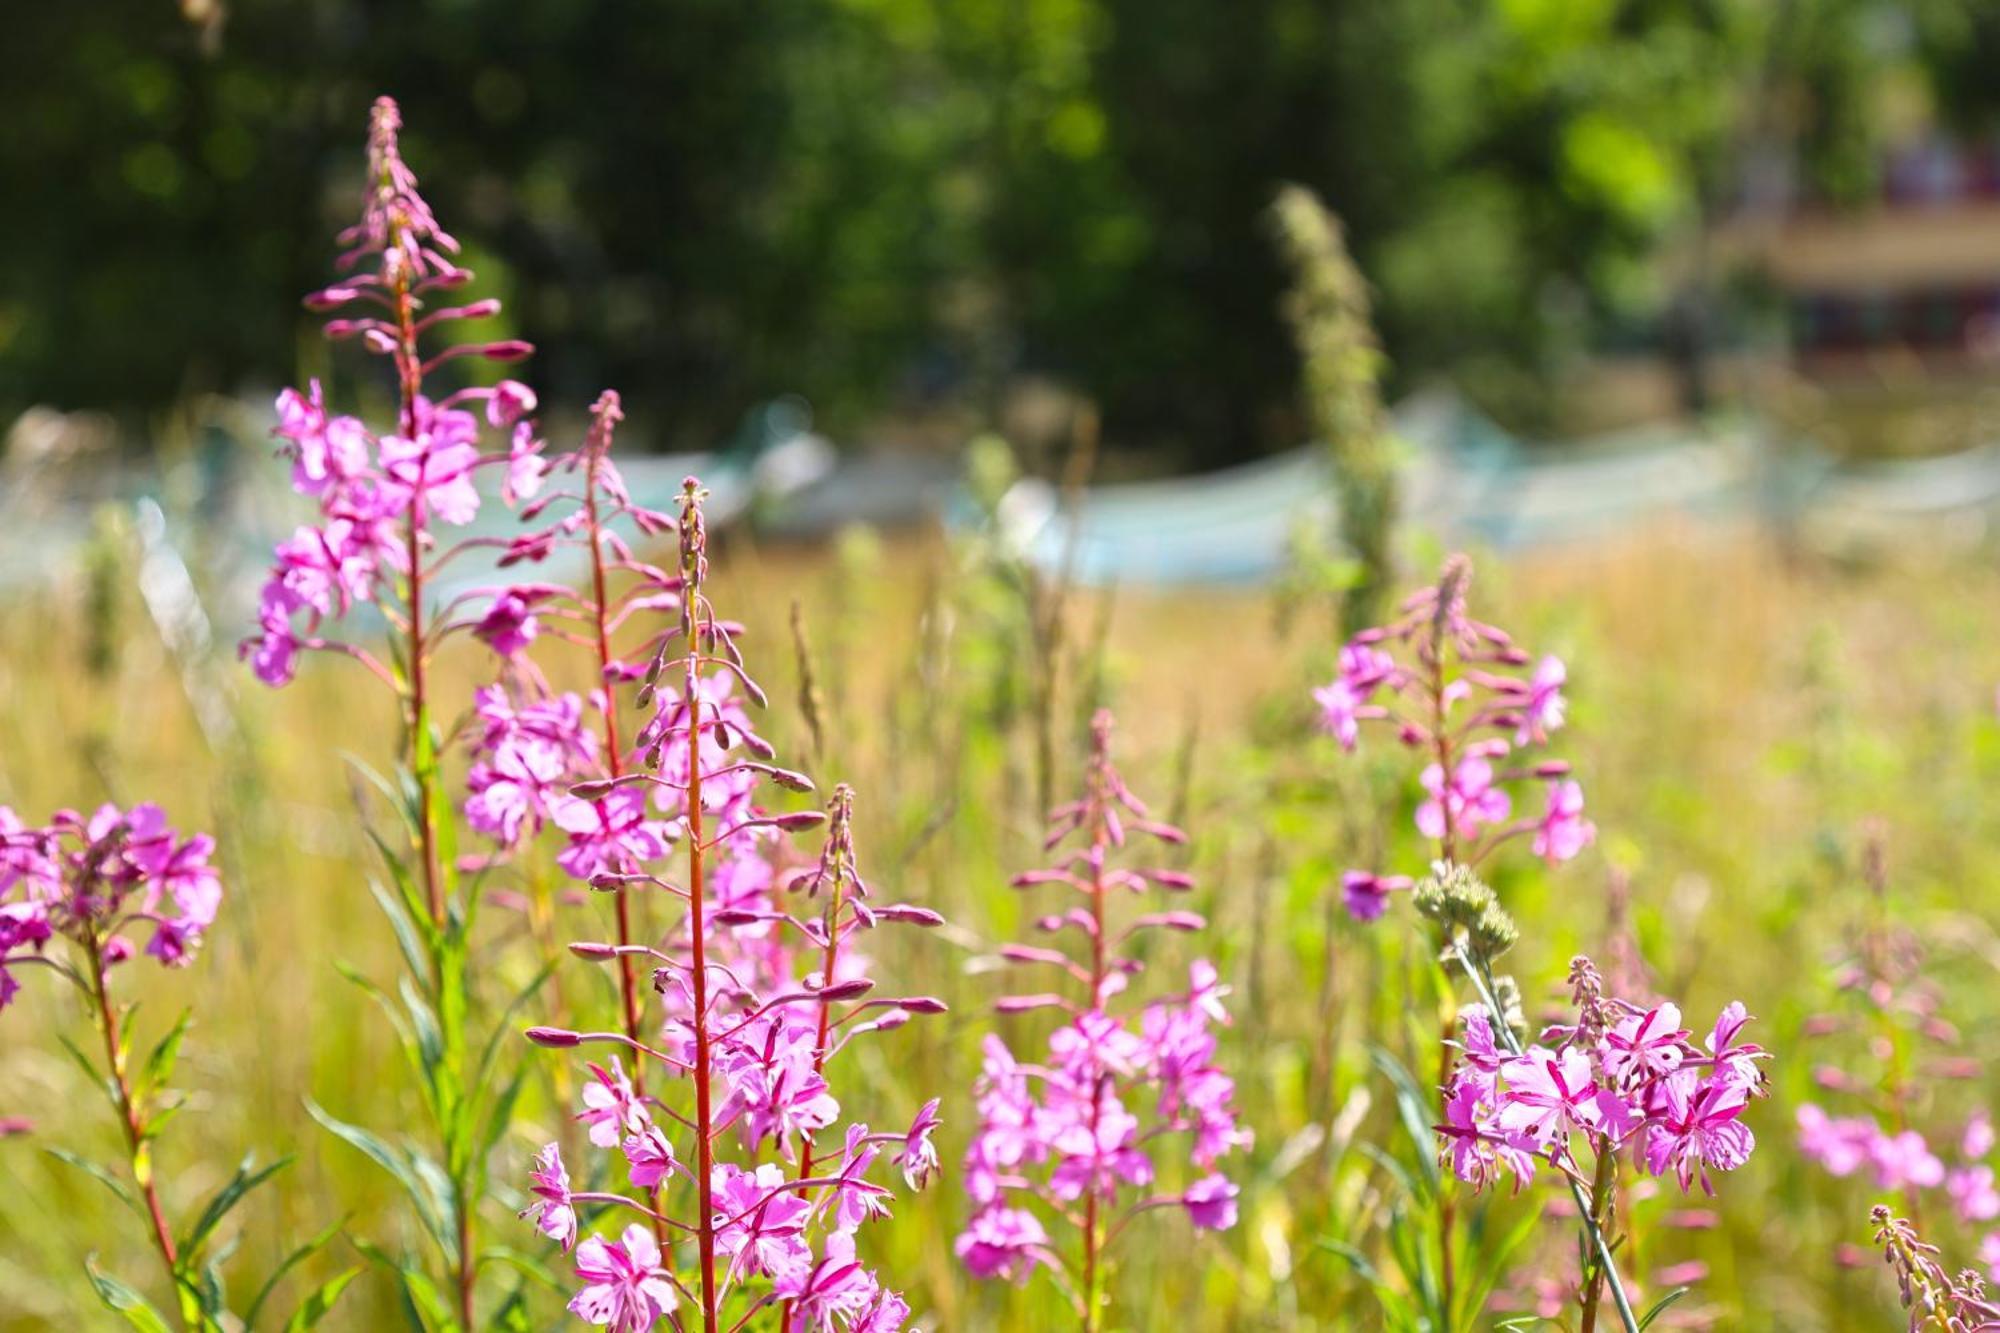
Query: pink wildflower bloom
[[1972, 1194], [1544, 708], [1098, 1158], [1699, 1130], [1989, 1254], [918, 1156], [1470, 798], [552, 1212], [509, 402], [1977, 1140], [649, 1155], [610, 833], [434, 470], [610, 1106], [1549, 1094], [1366, 894], [1003, 1242], [760, 1225], [509, 625], [1902, 1160], [1840, 1146], [526, 468], [889, 1314], [1340, 712], [625, 1288], [1644, 1047], [832, 1293], [1563, 832], [1211, 1203]]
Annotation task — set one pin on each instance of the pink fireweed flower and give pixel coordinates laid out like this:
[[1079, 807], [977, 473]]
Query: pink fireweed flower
[[552, 1212], [509, 625], [611, 833], [1973, 1197], [1457, 692], [1902, 1160], [1003, 1242], [649, 1155], [624, 1287], [1079, 1135], [1211, 1203], [757, 990], [1699, 1129], [1366, 894], [1600, 1088], [1542, 711], [1563, 832], [1469, 801], [611, 1107], [918, 1156], [1841, 1146]]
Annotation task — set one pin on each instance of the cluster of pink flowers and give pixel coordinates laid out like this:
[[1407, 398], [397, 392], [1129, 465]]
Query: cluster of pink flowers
[[1074, 1132], [379, 493], [94, 879], [1459, 692], [1622, 1076], [748, 1037], [1896, 1009]]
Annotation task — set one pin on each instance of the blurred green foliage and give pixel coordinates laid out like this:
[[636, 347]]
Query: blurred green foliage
[[885, 203]]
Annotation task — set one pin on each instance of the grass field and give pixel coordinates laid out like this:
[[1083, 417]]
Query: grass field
[[1737, 720]]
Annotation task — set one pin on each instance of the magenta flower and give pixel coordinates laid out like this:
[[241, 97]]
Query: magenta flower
[[1904, 1159], [918, 1156], [832, 1293], [1973, 1197], [1211, 1203], [649, 1156], [610, 1106], [610, 833], [1840, 1146], [1468, 802], [509, 625], [759, 1225], [1003, 1242], [1645, 1047], [624, 1287], [1366, 894], [1562, 831], [552, 1212], [1542, 711], [1080, 1133], [1699, 1128]]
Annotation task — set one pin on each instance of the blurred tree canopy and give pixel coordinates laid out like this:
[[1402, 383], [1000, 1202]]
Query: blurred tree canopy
[[881, 203]]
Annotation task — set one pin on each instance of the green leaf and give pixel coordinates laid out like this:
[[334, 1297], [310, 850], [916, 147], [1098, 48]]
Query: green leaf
[[160, 1064], [1413, 1108], [286, 1265], [102, 1082], [423, 1307], [247, 1178], [319, 1302], [434, 1210], [121, 1298], [528, 1265], [99, 1173], [1660, 1306]]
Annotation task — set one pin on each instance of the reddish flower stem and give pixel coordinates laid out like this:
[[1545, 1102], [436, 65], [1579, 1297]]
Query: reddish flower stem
[[704, 1117], [1099, 836], [130, 1121]]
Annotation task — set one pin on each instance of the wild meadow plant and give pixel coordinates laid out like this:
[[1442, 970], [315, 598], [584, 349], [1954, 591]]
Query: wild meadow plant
[[1458, 693], [747, 1039], [386, 499], [74, 895], [1938, 1301], [1623, 1079], [1897, 1064], [1064, 1140]]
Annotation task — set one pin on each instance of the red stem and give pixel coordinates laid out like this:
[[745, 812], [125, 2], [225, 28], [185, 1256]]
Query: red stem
[[703, 1111], [142, 1174]]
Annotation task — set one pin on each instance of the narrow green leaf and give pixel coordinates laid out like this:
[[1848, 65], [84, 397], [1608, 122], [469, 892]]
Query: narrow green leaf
[[166, 1054], [319, 1302], [1661, 1306], [247, 1178], [122, 1299], [98, 1173], [432, 1211], [286, 1265]]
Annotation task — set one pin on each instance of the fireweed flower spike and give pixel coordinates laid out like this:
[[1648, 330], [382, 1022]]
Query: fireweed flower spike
[[1463, 696], [1935, 1298], [537, 747], [1621, 1078], [735, 1153], [75, 896], [387, 497], [1073, 1135], [1905, 1130]]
